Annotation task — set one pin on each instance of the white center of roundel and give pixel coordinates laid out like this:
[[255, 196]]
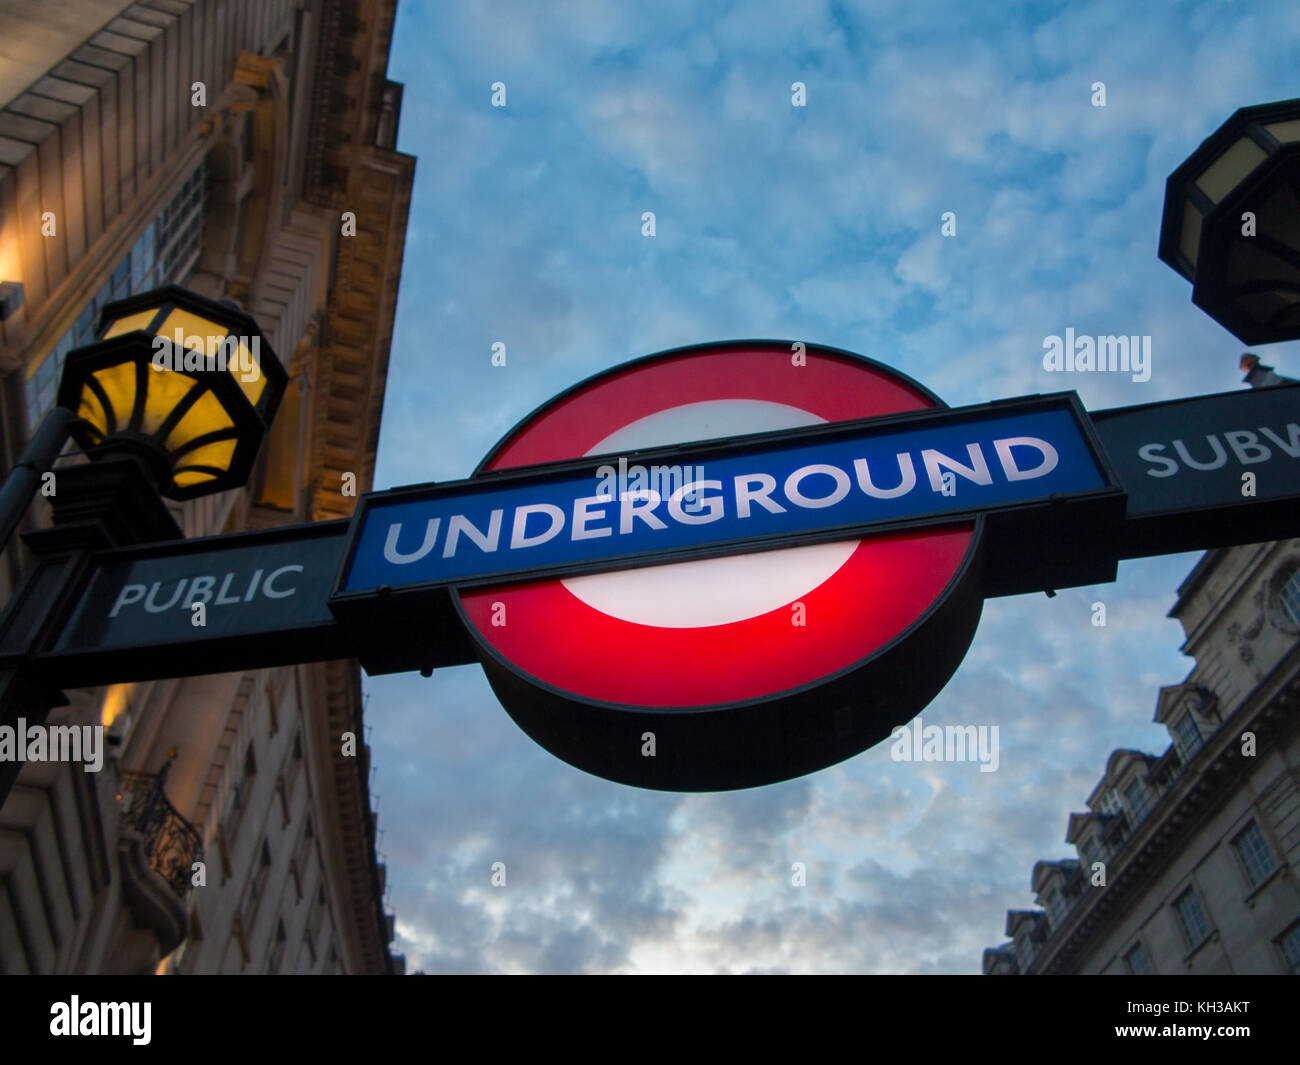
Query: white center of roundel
[[711, 591]]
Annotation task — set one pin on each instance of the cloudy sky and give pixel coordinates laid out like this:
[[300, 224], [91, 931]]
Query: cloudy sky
[[819, 223]]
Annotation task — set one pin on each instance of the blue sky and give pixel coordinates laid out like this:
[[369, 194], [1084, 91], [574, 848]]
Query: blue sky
[[819, 223]]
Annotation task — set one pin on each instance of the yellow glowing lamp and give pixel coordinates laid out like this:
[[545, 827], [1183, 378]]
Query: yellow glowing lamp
[[1231, 223], [189, 383]]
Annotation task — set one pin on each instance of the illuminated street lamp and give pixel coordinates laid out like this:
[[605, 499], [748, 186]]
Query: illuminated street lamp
[[188, 384], [1231, 223], [173, 398], [185, 386]]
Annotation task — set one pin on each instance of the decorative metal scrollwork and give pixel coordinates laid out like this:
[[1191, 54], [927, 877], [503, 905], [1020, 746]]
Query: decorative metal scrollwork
[[172, 843]]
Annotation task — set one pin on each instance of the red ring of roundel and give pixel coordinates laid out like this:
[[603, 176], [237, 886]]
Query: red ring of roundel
[[886, 584]]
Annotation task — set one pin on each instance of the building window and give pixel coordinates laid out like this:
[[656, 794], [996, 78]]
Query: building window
[[317, 917], [292, 769], [303, 853], [284, 797], [1191, 917], [44, 381], [1187, 737], [1110, 804], [143, 259], [1054, 905], [1025, 951], [1137, 961], [1289, 943], [277, 948], [1289, 598], [240, 791], [272, 708], [180, 228], [240, 938], [224, 847], [263, 867], [1256, 859], [1091, 853], [257, 885], [163, 254], [1136, 796]]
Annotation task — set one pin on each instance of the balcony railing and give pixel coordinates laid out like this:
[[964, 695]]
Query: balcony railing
[[172, 843]]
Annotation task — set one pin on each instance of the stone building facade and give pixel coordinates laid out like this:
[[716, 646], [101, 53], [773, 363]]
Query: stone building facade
[[246, 150], [1188, 861]]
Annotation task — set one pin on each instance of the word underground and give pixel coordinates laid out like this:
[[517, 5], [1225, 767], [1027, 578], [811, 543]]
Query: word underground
[[102, 1018], [949, 743], [1104, 354], [200, 591], [53, 743], [187, 354], [747, 494]]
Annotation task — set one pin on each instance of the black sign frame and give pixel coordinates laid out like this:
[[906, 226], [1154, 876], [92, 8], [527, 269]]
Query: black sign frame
[[1077, 528], [1036, 545], [1155, 526], [311, 635]]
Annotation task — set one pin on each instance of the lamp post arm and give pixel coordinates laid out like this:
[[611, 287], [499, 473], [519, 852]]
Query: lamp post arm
[[36, 458]]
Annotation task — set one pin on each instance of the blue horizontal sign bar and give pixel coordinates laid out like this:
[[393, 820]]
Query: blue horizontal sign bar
[[807, 483]]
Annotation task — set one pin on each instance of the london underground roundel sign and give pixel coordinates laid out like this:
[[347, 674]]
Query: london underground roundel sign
[[748, 668], [800, 568]]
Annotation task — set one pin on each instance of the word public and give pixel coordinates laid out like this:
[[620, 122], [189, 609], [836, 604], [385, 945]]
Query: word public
[[161, 596]]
